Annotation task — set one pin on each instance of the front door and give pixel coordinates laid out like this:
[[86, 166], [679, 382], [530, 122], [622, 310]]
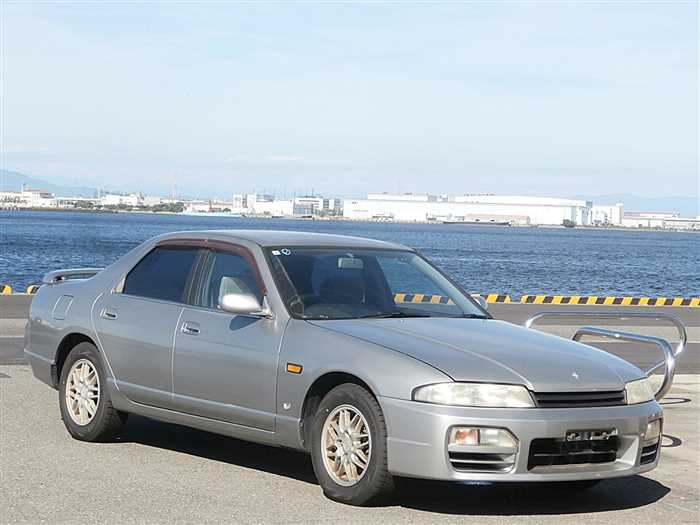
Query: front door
[[225, 365]]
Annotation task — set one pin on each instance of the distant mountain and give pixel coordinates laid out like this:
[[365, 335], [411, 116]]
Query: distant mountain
[[13, 180], [686, 206]]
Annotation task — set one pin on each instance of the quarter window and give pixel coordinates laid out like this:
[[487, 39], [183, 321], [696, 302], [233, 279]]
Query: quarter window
[[162, 274]]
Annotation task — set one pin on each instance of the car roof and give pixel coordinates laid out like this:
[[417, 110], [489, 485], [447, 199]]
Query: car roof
[[280, 238]]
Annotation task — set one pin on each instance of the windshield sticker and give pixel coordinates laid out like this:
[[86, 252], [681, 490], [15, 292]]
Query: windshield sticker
[[275, 252], [285, 251]]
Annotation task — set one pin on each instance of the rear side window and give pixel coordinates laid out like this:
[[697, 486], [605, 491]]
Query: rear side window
[[162, 274]]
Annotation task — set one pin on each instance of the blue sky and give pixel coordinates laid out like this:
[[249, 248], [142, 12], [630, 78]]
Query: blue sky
[[549, 98]]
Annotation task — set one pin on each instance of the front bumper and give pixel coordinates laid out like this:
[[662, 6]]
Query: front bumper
[[418, 434]]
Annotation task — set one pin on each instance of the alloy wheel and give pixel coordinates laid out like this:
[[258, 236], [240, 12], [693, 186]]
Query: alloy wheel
[[346, 445], [82, 392]]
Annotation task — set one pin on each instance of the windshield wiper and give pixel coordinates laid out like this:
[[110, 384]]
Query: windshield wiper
[[474, 316], [390, 315]]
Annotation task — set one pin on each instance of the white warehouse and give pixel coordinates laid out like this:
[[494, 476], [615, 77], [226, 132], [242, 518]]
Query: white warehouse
[[469, 208]]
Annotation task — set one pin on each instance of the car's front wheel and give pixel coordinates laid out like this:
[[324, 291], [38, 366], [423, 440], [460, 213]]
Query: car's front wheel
[[86, 409], [349, 451]]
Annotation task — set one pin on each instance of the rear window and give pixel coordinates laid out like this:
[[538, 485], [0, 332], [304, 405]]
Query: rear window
[[162, 274]]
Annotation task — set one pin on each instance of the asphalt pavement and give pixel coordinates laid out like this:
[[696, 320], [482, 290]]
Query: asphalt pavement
[[162, 473], [14, 310]]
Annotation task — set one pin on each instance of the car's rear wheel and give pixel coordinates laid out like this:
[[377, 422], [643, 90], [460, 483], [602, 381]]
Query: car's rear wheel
[[86, 409], [348, 443]]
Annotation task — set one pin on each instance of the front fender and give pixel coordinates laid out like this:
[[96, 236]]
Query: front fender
[[320, 351]]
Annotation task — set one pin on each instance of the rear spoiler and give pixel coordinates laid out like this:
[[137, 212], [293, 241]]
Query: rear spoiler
[[65, 275]]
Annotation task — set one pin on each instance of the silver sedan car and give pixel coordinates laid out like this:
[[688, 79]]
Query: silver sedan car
[[357, 351]]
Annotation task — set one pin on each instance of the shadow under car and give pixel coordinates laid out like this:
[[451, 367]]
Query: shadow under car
[[488, 499]]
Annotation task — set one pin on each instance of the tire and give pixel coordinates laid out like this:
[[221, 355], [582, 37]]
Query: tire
[[371, 483], [105, 421]]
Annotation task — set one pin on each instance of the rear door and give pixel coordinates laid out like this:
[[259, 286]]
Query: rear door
[[225, 366], [136, 324]]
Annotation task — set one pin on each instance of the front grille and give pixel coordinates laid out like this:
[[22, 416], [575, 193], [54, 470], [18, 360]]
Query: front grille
[[649, 453], [579, 399], [480, 461], [548, 452]]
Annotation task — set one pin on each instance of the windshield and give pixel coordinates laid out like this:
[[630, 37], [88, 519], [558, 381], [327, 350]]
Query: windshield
[[364, 283]]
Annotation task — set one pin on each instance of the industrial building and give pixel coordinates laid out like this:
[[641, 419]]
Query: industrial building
[[607, 214], [27, 198], [268, 205], [515, 210], [665, 220], [316, 206], [512, 209], [117, 199]]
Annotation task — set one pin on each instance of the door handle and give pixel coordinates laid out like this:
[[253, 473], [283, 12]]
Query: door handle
[[190, 328], [109, 314]]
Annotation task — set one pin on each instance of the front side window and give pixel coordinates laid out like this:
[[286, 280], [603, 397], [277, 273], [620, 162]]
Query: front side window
[[162, 274], [225, 273], [350, 284]]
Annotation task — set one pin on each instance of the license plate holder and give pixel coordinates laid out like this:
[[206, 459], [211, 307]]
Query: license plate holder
[[590, 435]]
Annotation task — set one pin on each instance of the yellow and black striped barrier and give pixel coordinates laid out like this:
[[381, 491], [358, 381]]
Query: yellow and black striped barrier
[[421, 298], [492, 298], [586, 300], [6, 289], [593, 300], [441, 299]]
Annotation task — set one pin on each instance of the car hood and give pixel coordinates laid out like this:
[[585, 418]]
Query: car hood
[[494, 351]]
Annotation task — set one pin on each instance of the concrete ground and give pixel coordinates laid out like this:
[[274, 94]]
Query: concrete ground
[[161, 473]]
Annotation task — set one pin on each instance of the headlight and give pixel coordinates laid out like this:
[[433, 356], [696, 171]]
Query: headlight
[[639, 391], [475, 395]]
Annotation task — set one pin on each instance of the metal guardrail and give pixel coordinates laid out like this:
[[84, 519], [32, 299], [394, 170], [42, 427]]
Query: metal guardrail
[[669, 357], [670, 354]]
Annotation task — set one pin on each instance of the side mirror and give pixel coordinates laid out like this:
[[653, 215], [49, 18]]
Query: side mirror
[[482, 302], [245, 304]]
